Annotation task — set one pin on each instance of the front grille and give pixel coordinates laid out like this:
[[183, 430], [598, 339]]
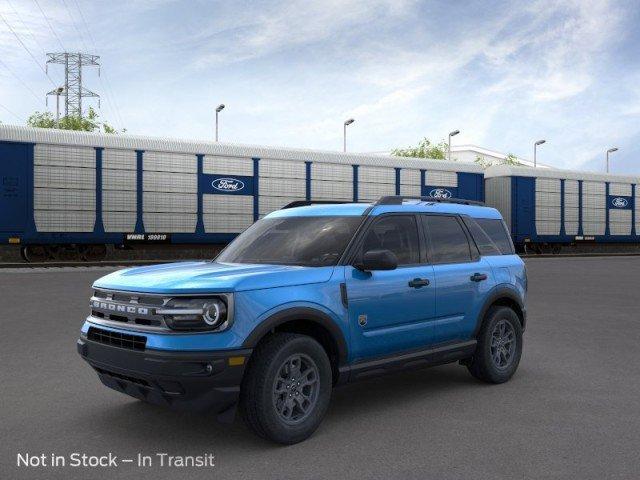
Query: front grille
[[117, 339]]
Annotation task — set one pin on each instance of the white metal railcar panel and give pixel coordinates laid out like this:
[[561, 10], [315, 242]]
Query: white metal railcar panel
[[441, 179], [379, 175], [64, 177], [169, 182], [269, 168], [548, 227], [119, 159], [119, 180], [571, 186], [148, 144], [64, 221], [332, 171], [331, 190], [571, 228], [119, 201], [275, 187], [226, 223], [227, 204], [619, 221], [270, 204], [593, 228], [64, 199], [119, 221], [623, 189], [169, 222], [637, 208], [409, 176], [369, 192], [169, 202], [498, 195], [411, 190], [593, 188], [64, 156], [548, 206], [222, 165], [169, 162]]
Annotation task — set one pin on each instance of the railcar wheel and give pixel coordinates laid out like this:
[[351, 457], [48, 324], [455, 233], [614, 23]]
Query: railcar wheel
[[35, 253]]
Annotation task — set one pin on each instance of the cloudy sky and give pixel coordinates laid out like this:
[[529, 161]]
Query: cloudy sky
[[290, 72]]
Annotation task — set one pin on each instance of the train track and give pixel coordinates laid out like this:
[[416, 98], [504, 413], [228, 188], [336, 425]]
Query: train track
[[131, 263]]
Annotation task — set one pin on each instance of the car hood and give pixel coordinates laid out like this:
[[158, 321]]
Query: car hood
[[205, 277]]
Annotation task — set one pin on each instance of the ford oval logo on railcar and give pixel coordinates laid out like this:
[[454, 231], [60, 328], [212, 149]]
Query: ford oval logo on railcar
[[228, 184], [440, 193], [620, 202]]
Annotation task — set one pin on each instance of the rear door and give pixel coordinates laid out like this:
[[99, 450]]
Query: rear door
[[13, 187], [391, 311], [462, 277]]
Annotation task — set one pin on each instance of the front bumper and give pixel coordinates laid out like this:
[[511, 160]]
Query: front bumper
[[195, 381]]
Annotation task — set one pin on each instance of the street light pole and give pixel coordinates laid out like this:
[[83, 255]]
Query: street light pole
[[451, 134], [219, 108], [344, 135], [535, 147], [58, 91], [611, 150]]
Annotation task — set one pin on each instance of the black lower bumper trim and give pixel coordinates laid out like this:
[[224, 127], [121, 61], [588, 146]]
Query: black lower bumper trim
[[194, 381]]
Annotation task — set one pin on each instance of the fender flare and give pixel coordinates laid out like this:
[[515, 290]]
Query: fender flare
[[300, 313], [499, 293]]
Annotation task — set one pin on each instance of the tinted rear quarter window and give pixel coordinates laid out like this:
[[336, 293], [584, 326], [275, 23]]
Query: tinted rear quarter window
[[497, 232], [446, 239]]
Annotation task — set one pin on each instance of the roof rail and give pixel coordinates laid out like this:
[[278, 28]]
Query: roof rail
[[398, 199], [306, 203]]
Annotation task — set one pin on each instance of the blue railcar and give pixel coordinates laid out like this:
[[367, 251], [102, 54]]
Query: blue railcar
[[71, 193], [548, 208]]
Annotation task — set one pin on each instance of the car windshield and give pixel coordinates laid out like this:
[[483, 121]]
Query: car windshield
[[304, 241]]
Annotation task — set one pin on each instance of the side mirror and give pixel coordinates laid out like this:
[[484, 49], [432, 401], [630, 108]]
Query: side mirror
[[378, 260]]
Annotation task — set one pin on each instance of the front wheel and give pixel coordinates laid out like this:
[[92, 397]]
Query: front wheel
[[286, 390], [499, 346]]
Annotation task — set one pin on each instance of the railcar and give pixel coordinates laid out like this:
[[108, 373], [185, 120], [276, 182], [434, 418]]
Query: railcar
[[547, 209], [67, 195]]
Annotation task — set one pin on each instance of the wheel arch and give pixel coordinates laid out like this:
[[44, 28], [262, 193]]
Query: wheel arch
[[506, 297], [306, 321]]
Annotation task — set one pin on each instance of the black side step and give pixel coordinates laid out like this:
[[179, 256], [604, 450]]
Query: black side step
[[415, 359]]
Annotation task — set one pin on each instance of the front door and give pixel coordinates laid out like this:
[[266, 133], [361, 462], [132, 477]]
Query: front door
[[390, 311]]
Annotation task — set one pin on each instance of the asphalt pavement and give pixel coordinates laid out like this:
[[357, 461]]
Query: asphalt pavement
[[571, 411]]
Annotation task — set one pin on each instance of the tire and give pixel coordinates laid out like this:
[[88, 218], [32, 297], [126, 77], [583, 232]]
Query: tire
[[264, 401], [489, 363]]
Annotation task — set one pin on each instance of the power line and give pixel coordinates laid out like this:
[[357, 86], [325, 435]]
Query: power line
[[50, 26], [26, 27], [73, 22], [20, 80], [27, 49], [12, 113], [111, 98]]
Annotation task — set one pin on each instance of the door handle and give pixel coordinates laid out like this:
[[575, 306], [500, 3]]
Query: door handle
[[418, 282], [478, 277]]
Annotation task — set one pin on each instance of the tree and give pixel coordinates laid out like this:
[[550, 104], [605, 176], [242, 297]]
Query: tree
[[510, 159], [425, 149], [88, 123]]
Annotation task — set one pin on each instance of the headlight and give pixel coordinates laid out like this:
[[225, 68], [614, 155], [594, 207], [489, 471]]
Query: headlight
[[195, 314]]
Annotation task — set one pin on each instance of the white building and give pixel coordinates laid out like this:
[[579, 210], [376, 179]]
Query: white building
[[469, 154]]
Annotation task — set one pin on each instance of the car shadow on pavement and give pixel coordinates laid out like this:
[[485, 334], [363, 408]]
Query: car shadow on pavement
[[140, 422]]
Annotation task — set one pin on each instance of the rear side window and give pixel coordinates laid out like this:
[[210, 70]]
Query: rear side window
[[397, 233], [485, 244], [447, 240], [497, 232]]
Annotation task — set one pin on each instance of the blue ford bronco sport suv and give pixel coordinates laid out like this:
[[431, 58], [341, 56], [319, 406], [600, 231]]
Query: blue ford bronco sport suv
[[310, 297]]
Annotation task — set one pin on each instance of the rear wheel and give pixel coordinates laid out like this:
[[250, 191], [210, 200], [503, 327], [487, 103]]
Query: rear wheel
[[286, 390], [499, 346]]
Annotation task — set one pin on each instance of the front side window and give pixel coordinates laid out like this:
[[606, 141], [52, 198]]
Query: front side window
[[397, 233], [304, 241], [447, 240]]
